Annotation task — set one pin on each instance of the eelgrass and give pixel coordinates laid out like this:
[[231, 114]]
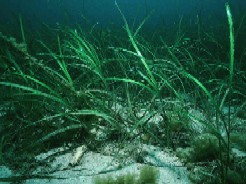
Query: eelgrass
[[73, 88], [51, 88], [22, 31], [87, 55], [223, 142], [230, 87], [149, 77]]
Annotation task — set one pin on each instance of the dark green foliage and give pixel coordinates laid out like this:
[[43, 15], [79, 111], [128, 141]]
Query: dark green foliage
[[239, 141], [57, 90], [234, 177], [129, 178], [123, 179], [148, 175], [108, 180], [205, 148], [47, 108]]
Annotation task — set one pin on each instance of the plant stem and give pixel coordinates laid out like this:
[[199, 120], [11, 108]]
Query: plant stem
[[230, 21]]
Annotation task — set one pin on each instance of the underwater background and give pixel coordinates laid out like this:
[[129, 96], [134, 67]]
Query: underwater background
[[164, 14], [103, 12], [158, 84]]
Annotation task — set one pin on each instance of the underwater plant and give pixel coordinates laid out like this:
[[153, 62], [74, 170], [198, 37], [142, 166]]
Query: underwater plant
[[127, 88], [148, 175]]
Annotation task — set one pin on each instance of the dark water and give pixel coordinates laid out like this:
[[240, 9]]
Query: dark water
[[165, 15], [104, 12]]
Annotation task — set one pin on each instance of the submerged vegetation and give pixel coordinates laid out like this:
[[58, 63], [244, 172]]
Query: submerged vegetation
[[58, 91], [148, 175]]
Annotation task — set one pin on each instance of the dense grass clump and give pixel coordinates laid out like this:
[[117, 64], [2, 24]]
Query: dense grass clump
[[148, 175]]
